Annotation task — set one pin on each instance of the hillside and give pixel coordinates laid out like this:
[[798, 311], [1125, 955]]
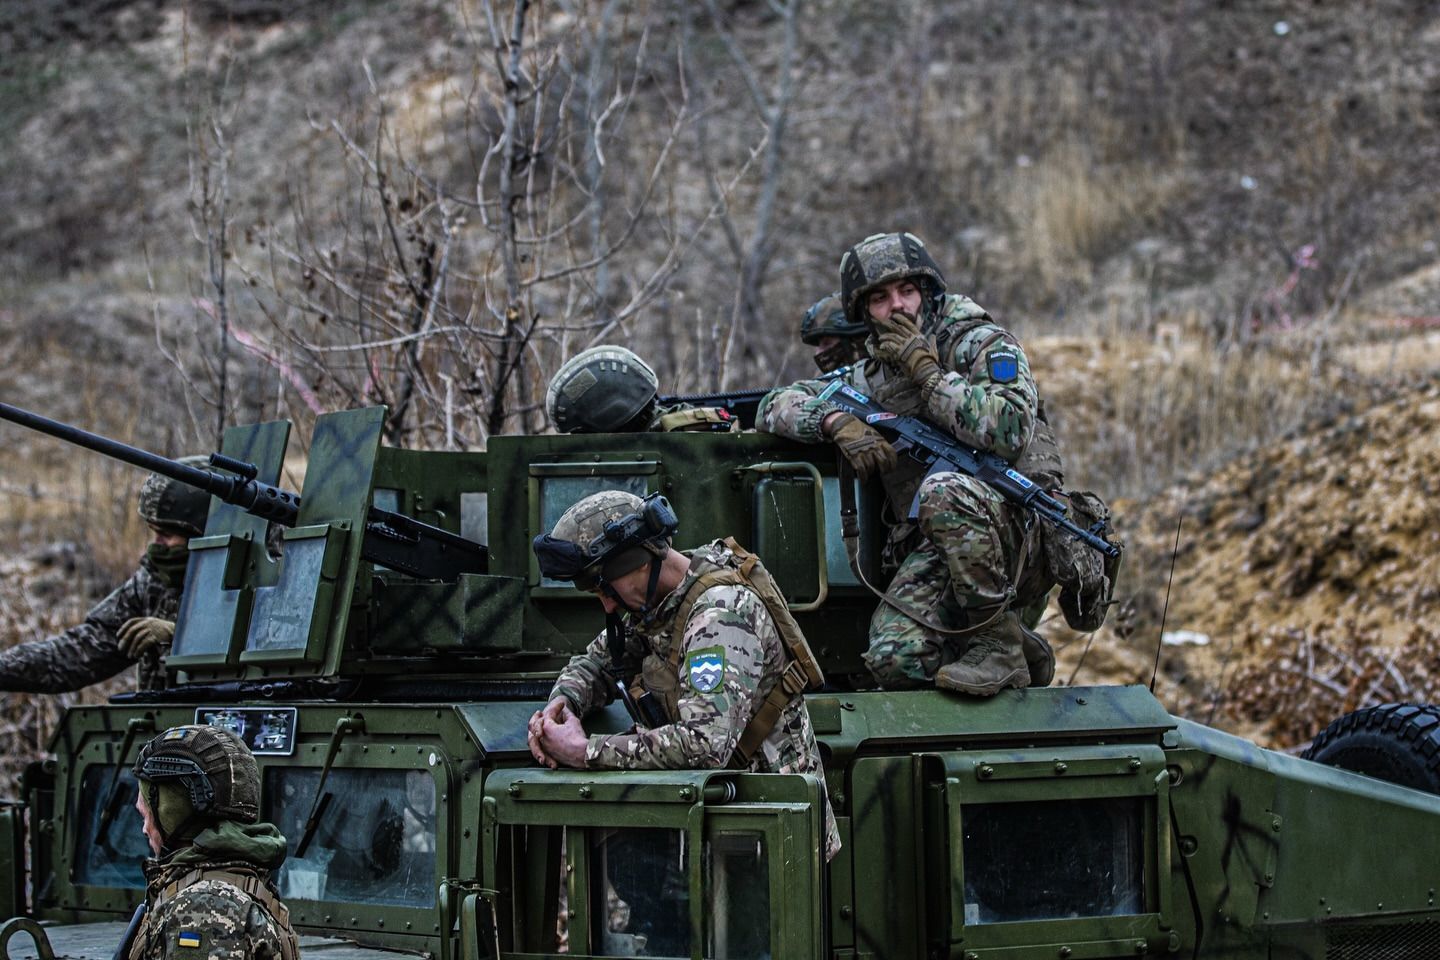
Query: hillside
[[1214, 226]]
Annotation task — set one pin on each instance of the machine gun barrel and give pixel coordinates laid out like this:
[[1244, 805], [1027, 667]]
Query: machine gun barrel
[[242, 490], [391, 539]]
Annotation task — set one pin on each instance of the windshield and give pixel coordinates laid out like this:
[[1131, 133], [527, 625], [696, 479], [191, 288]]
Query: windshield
[[1053, 859], [375, 841], [113, 859]]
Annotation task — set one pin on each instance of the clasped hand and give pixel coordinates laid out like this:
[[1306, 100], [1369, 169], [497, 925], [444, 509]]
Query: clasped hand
[[556, 736]]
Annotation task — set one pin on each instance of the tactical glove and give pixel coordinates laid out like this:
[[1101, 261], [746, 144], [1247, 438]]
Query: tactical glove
[[862, 445], [903, 346], [139, 634]]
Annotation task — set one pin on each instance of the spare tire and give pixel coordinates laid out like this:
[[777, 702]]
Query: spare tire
[[1398, 742]]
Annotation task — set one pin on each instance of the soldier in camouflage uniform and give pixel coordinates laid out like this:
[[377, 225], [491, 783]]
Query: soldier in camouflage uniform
[[967, 560], [838, 340], [611, 390], [136, 622], [730, 658], [208, 891]]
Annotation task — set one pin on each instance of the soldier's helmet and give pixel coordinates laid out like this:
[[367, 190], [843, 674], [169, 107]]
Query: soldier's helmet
[[881, 258], [826, 318], [172, 505], [604, 536], [212, 764], [601, 390]]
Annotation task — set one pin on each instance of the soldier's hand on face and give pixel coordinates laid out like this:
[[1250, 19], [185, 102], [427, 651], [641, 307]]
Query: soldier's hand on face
[[564, 742], [556, 711], [903, 346], [139, 634], [868, 452]]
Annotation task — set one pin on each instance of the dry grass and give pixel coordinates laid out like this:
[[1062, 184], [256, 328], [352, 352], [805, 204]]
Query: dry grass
[[1310, 676]]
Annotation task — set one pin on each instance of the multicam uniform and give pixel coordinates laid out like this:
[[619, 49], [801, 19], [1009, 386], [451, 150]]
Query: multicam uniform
[[731, 659], [90, 652], [213, 900], [973, 550]]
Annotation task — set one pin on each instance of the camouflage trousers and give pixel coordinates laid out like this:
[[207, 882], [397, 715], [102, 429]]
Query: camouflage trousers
[[961, 574]]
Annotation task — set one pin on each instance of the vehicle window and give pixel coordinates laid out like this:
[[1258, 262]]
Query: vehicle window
[[640, 900], [114, 859], [557, 494], [375, 842], [737, 897], [1053, 859]]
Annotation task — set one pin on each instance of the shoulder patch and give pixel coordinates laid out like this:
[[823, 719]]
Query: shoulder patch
[[705, 669], [189, 938], [1004, 365]]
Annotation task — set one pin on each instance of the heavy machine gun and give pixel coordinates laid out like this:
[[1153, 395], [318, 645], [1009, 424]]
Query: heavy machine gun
[[391, 539]]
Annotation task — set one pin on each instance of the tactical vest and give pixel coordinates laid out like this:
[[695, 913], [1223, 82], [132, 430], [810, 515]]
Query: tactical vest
[[247, 881], [661, 677]]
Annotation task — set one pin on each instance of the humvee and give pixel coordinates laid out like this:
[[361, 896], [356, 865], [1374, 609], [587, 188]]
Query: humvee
[[386, 696]]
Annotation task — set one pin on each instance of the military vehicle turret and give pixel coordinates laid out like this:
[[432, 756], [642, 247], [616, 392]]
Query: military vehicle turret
[[386, 697]]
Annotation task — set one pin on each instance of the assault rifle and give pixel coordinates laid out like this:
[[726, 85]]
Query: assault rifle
[[940, 451], [391, 539], [743, 405]]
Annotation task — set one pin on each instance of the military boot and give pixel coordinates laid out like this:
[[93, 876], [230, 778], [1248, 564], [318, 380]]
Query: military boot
[[994, 660], [1038, 657]]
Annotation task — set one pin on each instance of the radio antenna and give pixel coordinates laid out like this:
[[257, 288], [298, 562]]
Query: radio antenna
[[1165, 612]]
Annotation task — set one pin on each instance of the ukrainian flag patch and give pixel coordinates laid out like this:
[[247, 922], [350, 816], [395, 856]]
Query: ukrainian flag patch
[[189, 938]]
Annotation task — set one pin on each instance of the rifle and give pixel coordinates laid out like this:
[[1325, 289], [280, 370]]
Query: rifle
[[391, 539], [939, 451], [744, 405], [644, 710]]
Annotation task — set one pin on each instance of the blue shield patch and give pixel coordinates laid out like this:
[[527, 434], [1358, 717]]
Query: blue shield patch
[[706, 669], [1004, 366]]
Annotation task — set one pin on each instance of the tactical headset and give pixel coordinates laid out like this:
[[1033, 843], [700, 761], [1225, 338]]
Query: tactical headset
[[566, 560]]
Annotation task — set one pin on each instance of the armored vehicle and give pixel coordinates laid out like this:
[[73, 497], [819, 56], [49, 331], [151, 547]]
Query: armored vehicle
[[382, 666]]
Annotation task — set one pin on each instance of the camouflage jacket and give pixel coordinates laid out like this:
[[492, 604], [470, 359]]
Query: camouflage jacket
[[732, 658], [210, 916], [986, 398], [90, 652]]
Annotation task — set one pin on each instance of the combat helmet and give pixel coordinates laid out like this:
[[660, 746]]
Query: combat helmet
[[214, 770], [826, 318], [172, 505], [881, 258], [601, 390], [605, 536]]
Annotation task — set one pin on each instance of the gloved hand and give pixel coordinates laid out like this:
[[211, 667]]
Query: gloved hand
[[862, 445], [902, 345], [139, 634]]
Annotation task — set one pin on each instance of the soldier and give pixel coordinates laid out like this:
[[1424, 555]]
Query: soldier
[[136, 622], [710, 640], [838, 340], [611, 390], [208, 891], [967, 561]]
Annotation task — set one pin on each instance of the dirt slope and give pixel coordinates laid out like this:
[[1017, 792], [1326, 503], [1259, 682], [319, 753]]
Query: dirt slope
[[1307, 580]]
